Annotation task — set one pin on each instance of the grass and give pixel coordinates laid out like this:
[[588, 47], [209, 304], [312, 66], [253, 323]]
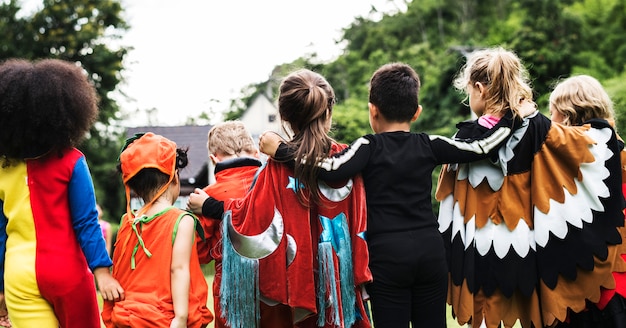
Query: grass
[[209, 270]]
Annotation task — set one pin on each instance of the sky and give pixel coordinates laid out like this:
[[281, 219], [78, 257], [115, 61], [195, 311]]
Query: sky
[[193, 56]]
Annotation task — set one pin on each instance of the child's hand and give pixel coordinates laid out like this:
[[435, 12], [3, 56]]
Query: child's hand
[[196, 200], [178, 323], [268, 143], [527, 107], [109, 287], [4, 314]]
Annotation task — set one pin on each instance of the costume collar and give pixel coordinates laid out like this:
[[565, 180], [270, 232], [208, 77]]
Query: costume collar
[[236, 162]]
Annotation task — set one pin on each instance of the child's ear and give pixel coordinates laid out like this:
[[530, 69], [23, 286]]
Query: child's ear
[[417, 113], [176, 179], [373, 110], [214, 159], [481, 89], [257, 154]]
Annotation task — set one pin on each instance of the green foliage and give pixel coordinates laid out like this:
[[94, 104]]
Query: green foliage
[[80, 31], [616, 89], [350, 120], [554, 39]]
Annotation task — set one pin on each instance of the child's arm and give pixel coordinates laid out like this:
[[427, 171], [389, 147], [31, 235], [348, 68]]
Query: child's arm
[[201, 203], [82, 201], [447, 150], [180, 275], [340, 166]]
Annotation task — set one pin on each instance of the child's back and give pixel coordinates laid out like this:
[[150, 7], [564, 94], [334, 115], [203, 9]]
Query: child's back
[[155, 257], [407, 256], [146, 278]]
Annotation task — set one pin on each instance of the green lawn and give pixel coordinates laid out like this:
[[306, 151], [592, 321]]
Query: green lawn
[[209, 270]]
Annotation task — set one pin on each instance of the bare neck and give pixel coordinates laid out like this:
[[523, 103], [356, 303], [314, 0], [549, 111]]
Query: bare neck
[[394, 127]]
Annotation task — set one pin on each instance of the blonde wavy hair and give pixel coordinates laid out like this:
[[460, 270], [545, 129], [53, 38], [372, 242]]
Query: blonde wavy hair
[[581, 98], [505, 79], [231, 138]]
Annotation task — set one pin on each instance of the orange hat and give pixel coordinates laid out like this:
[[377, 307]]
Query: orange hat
[[148, 151], [143, 151]]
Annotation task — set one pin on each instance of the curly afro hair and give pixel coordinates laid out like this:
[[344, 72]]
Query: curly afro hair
[[45, 106]]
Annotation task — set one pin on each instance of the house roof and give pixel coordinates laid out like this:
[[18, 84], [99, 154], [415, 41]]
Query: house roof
[[193, 137]]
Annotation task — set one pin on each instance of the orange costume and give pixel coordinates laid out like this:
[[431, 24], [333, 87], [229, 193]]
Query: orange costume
[[148, 301], [142, 261]]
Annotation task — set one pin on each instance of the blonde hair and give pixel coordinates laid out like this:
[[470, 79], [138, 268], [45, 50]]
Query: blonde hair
[[230, 138], [581, 98], [503, 75]]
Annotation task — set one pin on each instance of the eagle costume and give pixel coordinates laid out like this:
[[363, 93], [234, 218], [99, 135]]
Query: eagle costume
[[534, 232]]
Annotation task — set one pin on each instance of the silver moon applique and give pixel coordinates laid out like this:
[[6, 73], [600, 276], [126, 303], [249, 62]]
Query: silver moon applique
[[336, 194], [261, 245]]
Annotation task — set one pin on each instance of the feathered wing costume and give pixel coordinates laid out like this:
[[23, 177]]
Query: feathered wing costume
[[534, 231], [276, 250]]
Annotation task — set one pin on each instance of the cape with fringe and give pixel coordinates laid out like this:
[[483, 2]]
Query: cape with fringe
[[312, 259]]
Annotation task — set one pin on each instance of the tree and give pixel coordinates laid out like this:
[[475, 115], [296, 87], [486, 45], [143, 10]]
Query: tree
[[84, 32]]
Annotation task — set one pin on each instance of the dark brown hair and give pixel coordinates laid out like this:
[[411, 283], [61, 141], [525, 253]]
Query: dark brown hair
[[394, 89], [45, 106], [305, 103]]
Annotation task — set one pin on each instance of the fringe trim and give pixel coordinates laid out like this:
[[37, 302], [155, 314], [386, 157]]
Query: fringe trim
[[239, 289], [327, 285]]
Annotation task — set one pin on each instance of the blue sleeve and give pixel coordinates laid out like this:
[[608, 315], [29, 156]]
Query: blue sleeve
[[82, 200], [3, 243]]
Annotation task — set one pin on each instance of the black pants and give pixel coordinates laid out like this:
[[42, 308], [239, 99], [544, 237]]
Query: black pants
[[410, 279]]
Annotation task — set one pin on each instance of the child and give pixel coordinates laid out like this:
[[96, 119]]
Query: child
[[576, 101], [107, 232], [532, 232], [155, 256], [300, 240], [236, 159], [51, 244], [407, 256]]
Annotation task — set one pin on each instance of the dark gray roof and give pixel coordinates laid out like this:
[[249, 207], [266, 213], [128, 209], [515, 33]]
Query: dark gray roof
[[194, 137]]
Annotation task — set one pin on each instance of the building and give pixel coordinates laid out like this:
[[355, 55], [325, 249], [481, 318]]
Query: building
[[262, 115]]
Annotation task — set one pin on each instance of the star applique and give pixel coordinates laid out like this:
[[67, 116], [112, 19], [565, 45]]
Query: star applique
[[335, 230], [294, 184]]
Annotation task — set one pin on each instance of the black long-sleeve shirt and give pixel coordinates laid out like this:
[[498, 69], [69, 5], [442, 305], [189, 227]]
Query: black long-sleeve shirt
[[397, 171]]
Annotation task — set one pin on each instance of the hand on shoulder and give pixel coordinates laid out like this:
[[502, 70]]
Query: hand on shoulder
[[268, 142], [527, 107]]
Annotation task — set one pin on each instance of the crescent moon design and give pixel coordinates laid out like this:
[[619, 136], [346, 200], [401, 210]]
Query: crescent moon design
[[336, 194], [292, 248], [261, 245]]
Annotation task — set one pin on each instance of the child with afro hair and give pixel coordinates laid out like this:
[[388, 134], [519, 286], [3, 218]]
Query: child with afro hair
[[49, 228]]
